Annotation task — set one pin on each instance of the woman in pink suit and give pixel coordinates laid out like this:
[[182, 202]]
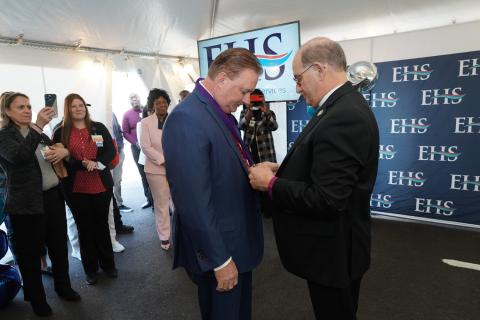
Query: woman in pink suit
[[151, 144]]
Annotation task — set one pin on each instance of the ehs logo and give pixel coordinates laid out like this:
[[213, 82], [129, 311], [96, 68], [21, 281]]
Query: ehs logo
[[467, 125], [442, 96], [465, 182], [268, 60], [438, 153], [409, 125], [381, 99], [410, 179], [386, 152], [469, 67], [381, 201], [298, 125], [440, 207], [411, 73]]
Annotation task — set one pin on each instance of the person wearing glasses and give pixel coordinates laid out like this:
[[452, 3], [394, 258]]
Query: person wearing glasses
[[320, 194], [258, 122]]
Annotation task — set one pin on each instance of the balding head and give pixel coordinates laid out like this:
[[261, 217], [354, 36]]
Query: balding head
[[134, 100], [318, 67], [323, 50]]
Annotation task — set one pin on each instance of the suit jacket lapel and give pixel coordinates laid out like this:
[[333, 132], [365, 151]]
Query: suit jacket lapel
[[342, 90], [153, 123], [311, 124], [223, 128]]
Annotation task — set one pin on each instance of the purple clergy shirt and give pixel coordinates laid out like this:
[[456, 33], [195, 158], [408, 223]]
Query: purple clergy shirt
[[129, 125]]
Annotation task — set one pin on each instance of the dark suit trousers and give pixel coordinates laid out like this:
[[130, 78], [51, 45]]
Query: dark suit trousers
[[335, 303], [26, 241], [235, 304], [28, 234], [146, 188], [56, 236], [117, 216], [90, 212]]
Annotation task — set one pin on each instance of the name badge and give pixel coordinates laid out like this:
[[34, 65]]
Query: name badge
[[98, 139], [252, 123]]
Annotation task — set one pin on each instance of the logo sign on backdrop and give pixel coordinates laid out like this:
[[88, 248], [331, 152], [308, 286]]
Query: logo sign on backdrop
[[274, 47], [297, 119], [428, 113]]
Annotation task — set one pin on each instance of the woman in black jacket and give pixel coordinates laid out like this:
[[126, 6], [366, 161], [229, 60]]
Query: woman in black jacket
[[89, 185], [34, 205]]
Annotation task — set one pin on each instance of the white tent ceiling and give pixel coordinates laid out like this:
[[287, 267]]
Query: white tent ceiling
[[172, 27]]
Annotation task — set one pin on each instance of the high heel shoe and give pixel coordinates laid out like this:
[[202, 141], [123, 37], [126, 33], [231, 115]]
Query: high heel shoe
[[165, 244], [91, 279]]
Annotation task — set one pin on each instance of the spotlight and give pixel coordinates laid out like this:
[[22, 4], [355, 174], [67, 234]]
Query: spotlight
[[19, 39], [77, 44]]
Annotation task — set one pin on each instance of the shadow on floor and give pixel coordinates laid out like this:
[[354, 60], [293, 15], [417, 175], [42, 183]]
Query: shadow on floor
[[407, 280]]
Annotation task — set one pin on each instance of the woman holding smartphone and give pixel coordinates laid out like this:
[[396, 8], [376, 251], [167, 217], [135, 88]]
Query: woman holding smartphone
[[89, 185], [40, 220]]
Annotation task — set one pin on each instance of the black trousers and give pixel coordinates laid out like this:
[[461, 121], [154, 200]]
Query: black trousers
[[146, 188], [335, 303], [117, 216], [90, 212], [28, 236], [235, 304]]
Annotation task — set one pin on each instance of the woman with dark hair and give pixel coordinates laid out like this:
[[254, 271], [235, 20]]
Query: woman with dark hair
[[141, 157], [89, 184], [27, 157], [151, 144]]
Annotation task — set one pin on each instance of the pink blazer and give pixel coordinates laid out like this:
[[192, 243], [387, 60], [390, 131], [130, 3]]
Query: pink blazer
[[151, 144]]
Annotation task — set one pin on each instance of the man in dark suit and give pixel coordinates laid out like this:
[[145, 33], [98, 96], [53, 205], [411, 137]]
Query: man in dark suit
[[217, 228], [320, 194]]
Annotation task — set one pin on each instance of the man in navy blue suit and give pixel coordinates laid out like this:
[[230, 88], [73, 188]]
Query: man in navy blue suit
[[217, 226]]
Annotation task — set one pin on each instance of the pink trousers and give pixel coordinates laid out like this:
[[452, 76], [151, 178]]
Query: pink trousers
[[161, 200]]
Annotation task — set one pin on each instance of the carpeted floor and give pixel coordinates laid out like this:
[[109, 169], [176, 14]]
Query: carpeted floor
[[407, 280]]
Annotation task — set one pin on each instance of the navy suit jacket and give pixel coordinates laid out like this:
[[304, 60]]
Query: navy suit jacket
[[217, 213]]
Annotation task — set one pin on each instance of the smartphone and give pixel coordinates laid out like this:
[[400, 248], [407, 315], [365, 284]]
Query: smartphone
[[51, 101]]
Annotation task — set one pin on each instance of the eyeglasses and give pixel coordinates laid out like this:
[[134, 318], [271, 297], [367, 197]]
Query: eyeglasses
[[298, 78]]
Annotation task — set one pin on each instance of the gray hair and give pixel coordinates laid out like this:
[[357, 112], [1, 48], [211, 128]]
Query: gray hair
[[324, 50]]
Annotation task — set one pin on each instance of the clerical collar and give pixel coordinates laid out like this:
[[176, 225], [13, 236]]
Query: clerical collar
[[200, 81], [228, 119]]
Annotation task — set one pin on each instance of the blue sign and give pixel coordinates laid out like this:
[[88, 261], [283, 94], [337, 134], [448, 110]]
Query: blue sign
[[274, 47], [429, 119], [297, 119]]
